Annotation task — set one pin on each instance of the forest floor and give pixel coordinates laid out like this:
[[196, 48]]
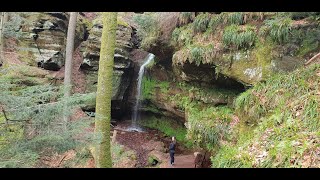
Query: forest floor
[[146, 143]]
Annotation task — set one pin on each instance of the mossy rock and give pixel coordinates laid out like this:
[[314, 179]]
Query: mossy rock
[[153, 161]]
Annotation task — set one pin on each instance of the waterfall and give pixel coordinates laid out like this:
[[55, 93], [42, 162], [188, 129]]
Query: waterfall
[[135, 114]]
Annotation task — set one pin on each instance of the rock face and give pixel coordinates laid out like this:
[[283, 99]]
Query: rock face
[[42, 43], [245, 65], [43, 39], [123, 66]]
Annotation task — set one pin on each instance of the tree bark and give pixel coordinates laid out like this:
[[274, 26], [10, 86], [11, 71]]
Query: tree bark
[[3, 18], [104, 91], [68, 63]]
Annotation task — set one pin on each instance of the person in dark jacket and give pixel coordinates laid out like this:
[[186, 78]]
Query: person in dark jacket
[[172, 149]]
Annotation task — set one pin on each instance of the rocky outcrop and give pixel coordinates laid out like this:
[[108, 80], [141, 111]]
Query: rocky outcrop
[[211, 55], [43, 38], [123, 66]]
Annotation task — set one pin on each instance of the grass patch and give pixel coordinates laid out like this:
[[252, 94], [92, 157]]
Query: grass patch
[[168, 127], [279, 123]]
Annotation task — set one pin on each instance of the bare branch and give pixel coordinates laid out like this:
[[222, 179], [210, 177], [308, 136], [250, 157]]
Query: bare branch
[[313, 58]]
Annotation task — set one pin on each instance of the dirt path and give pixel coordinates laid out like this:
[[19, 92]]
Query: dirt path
[[181, 161], [141, 143]]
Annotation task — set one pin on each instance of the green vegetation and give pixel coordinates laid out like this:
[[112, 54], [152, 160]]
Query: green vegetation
[[215, 21], [32, 121], [235, 18], [186, 17], [207, 126], [279, 29], [183, 36], [283, 114], [235, 37], [168, 127], [278, 90], [149, 86], [201, 22], [120, 154], [195, 54], [148, 29], [309, 41], [302, 15]]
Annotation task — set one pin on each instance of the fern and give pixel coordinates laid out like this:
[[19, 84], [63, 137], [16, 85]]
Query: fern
[[279, 29], [234, 37], [235, 18], [201, 23]]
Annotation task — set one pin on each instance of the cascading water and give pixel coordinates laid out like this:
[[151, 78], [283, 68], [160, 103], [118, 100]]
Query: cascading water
[[135, 114]]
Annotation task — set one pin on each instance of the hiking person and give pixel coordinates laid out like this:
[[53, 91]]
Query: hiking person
[[172, 149]]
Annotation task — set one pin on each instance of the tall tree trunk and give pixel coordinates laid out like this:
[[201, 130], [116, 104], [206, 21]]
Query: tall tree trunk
[[3, 19], [104, 91], [68, 63]]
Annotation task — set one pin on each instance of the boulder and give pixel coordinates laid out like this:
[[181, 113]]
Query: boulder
[[156, 157]]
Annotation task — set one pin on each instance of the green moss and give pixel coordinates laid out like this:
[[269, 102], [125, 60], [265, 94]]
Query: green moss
[[242, 66], [168, 127], [148, 87], [264, 53], [104, 92]]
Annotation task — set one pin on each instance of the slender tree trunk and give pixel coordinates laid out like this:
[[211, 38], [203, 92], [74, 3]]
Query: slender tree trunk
[[68, 63], [1, 37], [104, 91]]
